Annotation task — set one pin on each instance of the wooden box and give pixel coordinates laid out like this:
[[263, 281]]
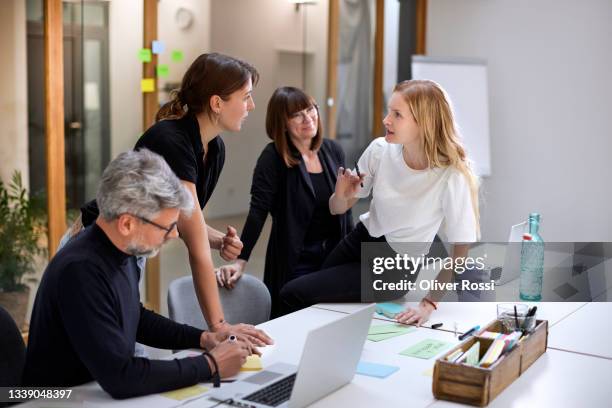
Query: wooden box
[[478, 385]]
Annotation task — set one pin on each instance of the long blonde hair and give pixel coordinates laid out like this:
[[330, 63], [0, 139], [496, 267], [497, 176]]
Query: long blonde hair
[[433, 114]]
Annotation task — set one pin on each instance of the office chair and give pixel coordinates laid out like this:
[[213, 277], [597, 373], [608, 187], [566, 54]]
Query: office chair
[[12, 352], [249, 302]]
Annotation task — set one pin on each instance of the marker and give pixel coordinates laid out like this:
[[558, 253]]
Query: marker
[[530, 313], [516, 318], [469, 333], [358, 173]]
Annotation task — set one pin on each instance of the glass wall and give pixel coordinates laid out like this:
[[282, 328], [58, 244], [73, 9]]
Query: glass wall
[[86, 97]]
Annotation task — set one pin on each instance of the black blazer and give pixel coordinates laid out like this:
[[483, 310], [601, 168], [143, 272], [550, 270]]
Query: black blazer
[[288, 195]]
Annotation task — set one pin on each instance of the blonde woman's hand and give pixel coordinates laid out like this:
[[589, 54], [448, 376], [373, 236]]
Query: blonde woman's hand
[[418, 315], [348, 183]]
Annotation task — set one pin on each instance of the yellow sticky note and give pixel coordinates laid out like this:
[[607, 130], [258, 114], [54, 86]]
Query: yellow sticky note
[[253, 363], [184, 393], [428, 372], [147, 85]]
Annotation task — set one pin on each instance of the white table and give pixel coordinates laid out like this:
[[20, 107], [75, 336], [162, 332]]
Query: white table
[[557, 379], [588, 330], [470, 314], [410, 385]]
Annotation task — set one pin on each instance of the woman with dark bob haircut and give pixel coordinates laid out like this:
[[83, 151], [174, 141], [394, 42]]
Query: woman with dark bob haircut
[[293, 180]]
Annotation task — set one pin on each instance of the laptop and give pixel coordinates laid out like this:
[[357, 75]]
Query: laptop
[[512, 259], [329, 361]]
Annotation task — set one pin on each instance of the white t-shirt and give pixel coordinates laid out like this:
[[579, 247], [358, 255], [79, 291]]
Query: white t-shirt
[[410, 205]]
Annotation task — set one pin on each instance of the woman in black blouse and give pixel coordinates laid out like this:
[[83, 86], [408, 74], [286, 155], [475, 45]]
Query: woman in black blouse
[[294, 177], [215, 96]]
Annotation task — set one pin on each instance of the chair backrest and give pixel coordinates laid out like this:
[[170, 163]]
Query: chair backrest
[[12, 351], [249, 302]]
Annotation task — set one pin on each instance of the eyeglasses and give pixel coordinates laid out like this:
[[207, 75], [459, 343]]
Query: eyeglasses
[[301, 116], [167, 229]]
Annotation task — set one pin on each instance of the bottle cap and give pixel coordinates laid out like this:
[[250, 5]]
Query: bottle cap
[[527, 237]]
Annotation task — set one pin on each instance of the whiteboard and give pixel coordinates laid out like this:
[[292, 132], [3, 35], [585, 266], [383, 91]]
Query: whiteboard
[[465, 81]]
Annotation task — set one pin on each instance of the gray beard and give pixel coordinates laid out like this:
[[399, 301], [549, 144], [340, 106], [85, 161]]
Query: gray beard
[[137, 250]]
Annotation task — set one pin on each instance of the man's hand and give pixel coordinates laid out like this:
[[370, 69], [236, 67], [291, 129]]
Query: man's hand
[[231, 245], [418, 315], [210, 340], [230, 356], [228, 275]]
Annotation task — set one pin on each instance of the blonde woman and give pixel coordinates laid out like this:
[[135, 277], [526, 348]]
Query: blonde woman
[[420, 179]]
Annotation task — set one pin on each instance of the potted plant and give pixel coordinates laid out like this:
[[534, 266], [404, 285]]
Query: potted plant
[[22, 223]]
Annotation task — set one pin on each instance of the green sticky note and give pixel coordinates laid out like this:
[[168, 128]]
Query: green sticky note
[[177, 56], [387, 331], [162, 70], [426, 349], [144, 55]]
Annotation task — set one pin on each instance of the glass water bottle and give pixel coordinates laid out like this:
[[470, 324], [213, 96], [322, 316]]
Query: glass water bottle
[[532, 261]]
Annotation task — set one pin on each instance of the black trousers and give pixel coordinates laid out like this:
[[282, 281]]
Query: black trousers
[[311, 258], [339, 280]]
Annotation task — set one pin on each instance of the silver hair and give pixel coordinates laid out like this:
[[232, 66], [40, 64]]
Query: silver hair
[[142, 184]]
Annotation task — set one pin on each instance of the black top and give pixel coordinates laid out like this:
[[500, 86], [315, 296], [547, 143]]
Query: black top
[[288, 195], [322, 223], [87, 318], [180, 144]]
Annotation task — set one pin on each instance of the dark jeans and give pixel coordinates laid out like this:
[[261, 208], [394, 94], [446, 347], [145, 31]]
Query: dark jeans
[[338, 281]]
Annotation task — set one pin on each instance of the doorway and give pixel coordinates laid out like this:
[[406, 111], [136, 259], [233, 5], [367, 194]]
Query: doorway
[[86, 97]]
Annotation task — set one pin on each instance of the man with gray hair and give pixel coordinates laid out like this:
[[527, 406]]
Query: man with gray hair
[[87, 315]]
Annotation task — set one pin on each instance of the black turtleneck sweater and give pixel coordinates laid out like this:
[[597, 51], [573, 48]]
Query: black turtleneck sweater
[[87, 318]]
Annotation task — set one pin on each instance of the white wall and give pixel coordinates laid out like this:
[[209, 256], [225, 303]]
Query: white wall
[[549, 82], [252, 30], [126, 69], [391, 37], [13, 97], [192, 41], [125, 32], [255, 31]]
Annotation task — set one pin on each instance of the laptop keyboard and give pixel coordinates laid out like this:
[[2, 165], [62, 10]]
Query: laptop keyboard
[[274, 394]]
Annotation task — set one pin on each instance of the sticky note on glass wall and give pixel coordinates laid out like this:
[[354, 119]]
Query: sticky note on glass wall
[[177, 56], [158, 47], [144, 55], [163, 70], [147, 85]]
